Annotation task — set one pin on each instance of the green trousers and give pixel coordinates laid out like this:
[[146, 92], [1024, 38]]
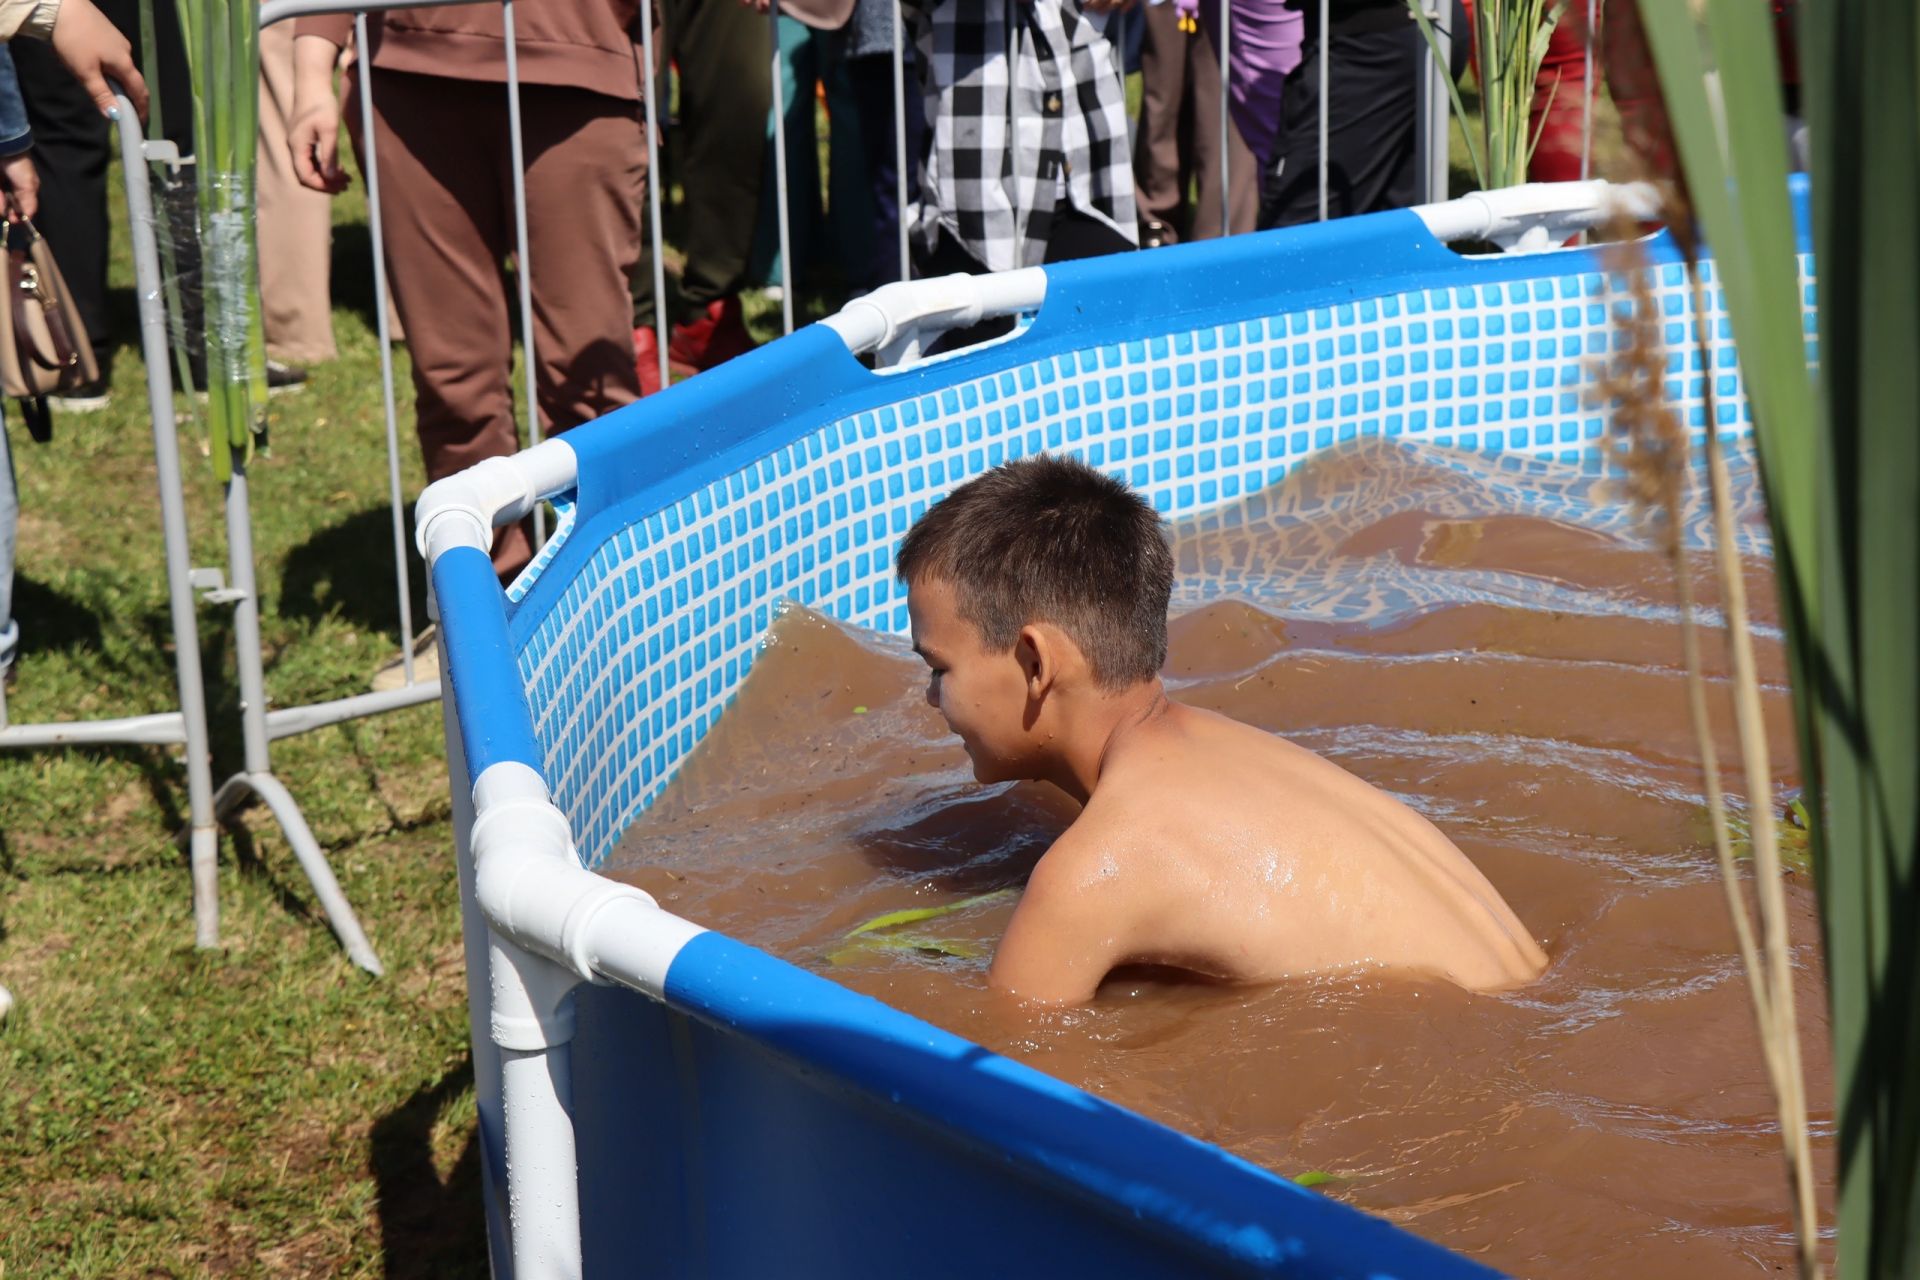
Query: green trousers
[[722, 50]]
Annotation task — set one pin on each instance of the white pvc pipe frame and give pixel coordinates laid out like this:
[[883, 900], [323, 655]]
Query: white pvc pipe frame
[[536, 923]]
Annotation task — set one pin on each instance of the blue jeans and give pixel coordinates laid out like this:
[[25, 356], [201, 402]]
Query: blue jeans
[[9, 517]]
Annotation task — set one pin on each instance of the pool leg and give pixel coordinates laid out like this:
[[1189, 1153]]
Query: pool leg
[[533, 1027]]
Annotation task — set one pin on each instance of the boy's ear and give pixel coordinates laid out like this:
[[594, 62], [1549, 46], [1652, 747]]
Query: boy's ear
[[1038, 655]]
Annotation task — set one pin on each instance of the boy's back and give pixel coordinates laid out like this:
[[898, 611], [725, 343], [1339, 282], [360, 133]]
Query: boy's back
[[1218, 848]]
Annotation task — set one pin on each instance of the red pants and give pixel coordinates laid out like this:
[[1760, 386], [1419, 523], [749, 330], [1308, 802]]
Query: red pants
[[1561, 89], [446, 188]]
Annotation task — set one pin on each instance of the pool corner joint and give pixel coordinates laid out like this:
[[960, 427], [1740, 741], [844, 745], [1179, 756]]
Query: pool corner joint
[[462, 510], [551, 925]]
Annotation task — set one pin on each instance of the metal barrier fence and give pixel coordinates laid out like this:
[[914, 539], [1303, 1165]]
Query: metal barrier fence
[[187, 726]]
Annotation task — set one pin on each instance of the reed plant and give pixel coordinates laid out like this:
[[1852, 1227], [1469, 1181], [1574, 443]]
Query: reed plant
[[1510, 42], [223, 55], [1840, 461]]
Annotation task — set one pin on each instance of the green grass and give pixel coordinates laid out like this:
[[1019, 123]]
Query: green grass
[[264, 1109]]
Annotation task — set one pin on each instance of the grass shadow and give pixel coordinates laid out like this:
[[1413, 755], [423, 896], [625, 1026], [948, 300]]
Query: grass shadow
[[345, 571], [429, 1226], [55, 620]]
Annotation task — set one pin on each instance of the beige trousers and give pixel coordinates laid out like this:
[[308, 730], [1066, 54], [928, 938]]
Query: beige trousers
[[295, 224]]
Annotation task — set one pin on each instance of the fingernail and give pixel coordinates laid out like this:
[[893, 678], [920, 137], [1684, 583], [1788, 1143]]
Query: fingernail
[[113, 113]]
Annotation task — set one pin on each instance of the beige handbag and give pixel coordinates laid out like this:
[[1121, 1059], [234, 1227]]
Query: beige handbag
[[43, 346]]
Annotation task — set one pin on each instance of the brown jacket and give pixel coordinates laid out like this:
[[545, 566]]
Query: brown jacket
[[577, 44]]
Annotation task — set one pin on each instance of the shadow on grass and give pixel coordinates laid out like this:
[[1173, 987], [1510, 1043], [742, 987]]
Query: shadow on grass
[[346, 571], [428, 1226], [51, 620]]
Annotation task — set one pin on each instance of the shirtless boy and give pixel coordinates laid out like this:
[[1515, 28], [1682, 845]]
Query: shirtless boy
[[1038, 595]]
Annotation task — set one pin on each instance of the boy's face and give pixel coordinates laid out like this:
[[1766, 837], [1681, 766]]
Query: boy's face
[[982, 694]]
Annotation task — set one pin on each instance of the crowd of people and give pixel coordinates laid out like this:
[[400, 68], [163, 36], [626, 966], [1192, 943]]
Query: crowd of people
[[1021, 148]]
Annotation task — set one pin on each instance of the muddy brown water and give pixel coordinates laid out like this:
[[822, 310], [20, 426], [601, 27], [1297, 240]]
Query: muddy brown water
[[1495, 644]]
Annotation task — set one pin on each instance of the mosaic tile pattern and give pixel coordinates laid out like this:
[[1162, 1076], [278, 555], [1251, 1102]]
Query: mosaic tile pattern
[[645, 647]]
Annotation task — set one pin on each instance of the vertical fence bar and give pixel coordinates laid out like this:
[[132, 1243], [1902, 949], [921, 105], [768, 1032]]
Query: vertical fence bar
[[779, 82], [524, 273], [1325, 37], [655, 117], [1226, 120], [1435, 103], [900, 138], [1587, 96], [203, 835], [402, 572]]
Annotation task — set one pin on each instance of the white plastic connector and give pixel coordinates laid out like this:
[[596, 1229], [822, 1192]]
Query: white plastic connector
[[536, 896], [1538, 215], [897, 316], [463, 510]]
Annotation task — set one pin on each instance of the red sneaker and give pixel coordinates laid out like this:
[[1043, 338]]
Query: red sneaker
[[646, 359], [717, 336]]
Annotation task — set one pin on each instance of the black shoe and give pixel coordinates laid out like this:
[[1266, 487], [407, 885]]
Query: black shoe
[[280, 377], [89, 397], [284, 377]]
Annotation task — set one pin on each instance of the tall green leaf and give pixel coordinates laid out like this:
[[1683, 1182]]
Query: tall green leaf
[[1862, 70], [1842, 473]]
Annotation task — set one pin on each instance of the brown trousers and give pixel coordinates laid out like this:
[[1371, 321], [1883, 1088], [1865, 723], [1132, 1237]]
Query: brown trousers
[[295, 224], [446, 190], [1178, 138]]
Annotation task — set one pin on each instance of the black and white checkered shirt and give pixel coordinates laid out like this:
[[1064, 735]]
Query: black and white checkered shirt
[[1028, 108]]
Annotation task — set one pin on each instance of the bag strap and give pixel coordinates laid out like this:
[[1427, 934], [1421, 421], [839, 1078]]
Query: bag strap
[[38, 417]]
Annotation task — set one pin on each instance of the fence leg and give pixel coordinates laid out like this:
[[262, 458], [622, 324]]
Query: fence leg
[[401, 572], [202, 838], [780, 168], [1326, 38], [1226, 119], [1435, 103], [258, 777], [656, 119], [900, 140], [523, 267]]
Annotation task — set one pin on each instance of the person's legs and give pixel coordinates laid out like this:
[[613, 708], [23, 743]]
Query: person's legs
[[870, 80], [9, 521], [721, 48], [800, 49], [1160, 172], [1371, 157], [1201, 130], [586, 188], [448, 226], [1557, 116], [295, 224]]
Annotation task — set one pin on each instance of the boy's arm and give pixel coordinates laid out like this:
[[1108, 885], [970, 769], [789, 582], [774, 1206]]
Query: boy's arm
[[1066, 934]]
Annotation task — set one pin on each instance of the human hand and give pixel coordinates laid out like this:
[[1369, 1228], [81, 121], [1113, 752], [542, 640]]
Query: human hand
[[314, 139], [313, 134], [94, 50], [22, 182], [759, 6]]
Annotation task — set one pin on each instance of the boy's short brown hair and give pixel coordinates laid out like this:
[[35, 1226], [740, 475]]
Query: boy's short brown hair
[[1049, 539]]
